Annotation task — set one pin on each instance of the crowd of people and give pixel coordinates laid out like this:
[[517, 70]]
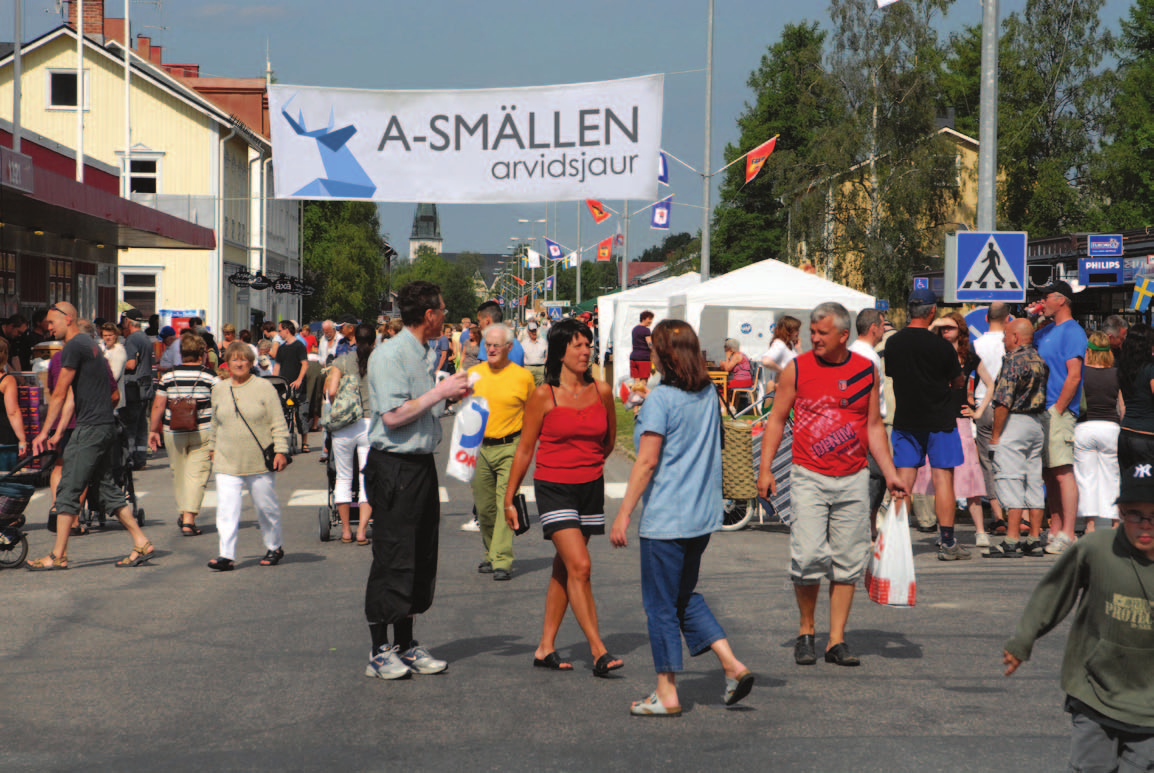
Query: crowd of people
[[1046, 423]]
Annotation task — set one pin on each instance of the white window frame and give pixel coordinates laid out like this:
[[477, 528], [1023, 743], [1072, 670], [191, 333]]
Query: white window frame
[[157, 280], [143, 154], [84, 97]]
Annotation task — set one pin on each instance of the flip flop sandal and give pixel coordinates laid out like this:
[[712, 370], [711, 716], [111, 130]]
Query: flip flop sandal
[[144, 554], [652, 707], [602, 667], [363, 542], [348, 541], [738, 688], [553, 662], [39, 565]]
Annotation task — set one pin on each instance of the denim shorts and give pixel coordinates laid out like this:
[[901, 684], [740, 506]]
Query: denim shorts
[[944, 449]]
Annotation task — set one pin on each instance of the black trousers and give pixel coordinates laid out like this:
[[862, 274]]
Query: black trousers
[[402, 490], [1134, 448]]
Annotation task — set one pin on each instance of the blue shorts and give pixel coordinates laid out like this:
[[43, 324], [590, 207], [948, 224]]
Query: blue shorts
[[943, 448]]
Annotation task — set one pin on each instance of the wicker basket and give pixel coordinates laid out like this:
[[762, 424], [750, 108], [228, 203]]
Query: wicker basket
[[738, 476], [14, 497]]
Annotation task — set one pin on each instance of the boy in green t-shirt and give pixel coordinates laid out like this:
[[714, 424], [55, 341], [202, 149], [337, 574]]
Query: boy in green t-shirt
[[1108, 666]]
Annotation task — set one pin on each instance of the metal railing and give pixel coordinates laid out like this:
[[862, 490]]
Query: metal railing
[[200, 210]]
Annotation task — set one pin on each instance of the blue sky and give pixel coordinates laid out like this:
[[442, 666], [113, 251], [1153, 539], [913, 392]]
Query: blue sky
[[387, 44]]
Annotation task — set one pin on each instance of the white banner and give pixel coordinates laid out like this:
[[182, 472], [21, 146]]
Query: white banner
[[541, 143]]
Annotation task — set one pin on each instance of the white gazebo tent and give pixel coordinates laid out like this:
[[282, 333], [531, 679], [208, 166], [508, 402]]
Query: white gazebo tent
[[745, 304], [617, 314]]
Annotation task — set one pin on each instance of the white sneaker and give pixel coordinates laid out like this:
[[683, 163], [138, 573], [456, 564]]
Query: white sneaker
[[387, 665], [983, 541], [418, 659], [1057, 543], [471, 525]]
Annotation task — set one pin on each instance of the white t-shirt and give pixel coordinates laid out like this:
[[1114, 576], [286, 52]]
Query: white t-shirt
[[865, 350], [778, 353], [990, 348], [535, 352]]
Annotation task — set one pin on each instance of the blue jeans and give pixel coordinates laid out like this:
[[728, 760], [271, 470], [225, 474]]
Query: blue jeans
[[669, 570]]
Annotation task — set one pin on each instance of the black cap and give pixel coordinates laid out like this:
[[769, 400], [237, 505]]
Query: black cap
[[1057, 286], [1137, 481], [134, 314], [347, 319]]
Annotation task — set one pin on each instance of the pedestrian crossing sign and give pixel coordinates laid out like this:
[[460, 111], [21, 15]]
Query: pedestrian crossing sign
[[984, 267]]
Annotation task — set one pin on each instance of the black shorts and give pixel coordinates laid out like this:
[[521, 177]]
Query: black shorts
[[571, 506]]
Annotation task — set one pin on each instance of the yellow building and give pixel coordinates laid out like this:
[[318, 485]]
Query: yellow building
[[189, 158], [845, 267]]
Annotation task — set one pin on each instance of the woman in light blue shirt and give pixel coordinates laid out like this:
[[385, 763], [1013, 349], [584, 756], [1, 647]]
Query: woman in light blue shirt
[[677, 477]]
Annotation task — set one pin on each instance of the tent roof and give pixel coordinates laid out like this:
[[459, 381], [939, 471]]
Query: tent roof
[[772, 284]]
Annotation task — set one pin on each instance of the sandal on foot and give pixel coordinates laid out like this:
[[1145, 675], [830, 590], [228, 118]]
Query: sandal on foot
[[144, 554], [348, 541], [304, 449], [653, 707], [1000, 526], [738, 687], [80, 530], [553, 662], [604, 665], [42, 565], [187, 529], [272, 557], [221, 564], [363, 542]]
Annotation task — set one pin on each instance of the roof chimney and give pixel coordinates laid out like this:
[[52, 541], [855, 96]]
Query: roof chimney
[[155, 55], [144, 47], [93, 16], [114, 30]]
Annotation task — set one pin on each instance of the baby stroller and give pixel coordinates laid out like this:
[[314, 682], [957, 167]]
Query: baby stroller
[[327, 517], [16, 491], [291, 409], [93, 511]]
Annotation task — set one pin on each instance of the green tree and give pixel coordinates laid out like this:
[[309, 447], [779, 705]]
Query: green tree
[[1053, 95], [343, 259], [793, 96], [960, 81], [1126, 168], [456, 286], [661, 253], [893, 180]]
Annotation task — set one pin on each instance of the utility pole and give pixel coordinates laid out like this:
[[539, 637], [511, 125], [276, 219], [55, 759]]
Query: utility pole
[[988, 120], [625, 247], [706, 180], [578, 253]]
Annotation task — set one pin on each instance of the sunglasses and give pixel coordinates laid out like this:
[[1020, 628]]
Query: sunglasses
[[1134, 519]]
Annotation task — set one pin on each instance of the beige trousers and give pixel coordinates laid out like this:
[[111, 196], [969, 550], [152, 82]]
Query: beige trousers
[[188, 455]]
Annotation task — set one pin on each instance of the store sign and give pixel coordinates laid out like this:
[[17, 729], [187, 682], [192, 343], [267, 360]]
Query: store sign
[[283, 284], [16, 170], [1104, 245], [241, 278], [260, 282], [1100, 272]]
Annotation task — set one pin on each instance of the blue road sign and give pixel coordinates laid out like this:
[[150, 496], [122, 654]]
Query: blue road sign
[[555, 313], [991, 266], [921, 283], [1104, 246], [882, 305]]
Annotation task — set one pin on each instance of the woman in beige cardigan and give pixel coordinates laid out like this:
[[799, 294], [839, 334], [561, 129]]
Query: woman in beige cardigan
[[246, 417]]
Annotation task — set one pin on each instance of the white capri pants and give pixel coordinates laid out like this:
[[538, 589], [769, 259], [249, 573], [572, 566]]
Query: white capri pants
[[345, 441], [1096, 468], [228, 504]]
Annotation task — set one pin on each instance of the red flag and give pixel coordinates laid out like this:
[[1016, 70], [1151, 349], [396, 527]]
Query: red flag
[[596, 210], [756, 158], [520, 281], [605, 249]]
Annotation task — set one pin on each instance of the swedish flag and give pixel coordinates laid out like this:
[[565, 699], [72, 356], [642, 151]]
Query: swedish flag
[[1143, 292]]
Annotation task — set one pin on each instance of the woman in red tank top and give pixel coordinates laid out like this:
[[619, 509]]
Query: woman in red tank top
[[571, 424]]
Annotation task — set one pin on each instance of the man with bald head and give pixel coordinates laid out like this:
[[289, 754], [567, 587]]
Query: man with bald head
[[1017, 438], [88, 458]]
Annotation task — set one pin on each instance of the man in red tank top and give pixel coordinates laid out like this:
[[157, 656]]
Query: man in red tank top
[[834, 396]]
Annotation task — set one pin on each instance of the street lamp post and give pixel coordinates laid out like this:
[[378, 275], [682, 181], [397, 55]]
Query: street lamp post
[[532, 270]]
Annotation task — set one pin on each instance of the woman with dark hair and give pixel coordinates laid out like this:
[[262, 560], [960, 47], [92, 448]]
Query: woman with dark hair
[[572, 416], [354, 438], [1136, 385], [187, 390], [677, 477]]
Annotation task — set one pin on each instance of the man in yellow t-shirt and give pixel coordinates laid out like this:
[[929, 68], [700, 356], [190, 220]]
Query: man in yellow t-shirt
[[507, 387]]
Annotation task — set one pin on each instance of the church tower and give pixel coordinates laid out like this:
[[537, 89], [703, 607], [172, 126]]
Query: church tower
[[426, 230]]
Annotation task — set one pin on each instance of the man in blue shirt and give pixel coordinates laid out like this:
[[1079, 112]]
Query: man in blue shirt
[[1062, 344], [489, 313]]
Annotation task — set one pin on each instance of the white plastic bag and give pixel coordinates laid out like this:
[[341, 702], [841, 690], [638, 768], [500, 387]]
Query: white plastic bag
[[468, 432], [890, 574]]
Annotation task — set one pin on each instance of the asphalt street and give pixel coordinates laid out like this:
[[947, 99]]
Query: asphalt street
[[172, 666]]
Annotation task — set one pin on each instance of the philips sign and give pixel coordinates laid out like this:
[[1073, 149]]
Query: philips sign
[[1104, 246], [1100, 272]]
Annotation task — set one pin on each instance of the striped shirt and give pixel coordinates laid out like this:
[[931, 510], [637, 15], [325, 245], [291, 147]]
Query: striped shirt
[[189, 381], [402, 369]]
